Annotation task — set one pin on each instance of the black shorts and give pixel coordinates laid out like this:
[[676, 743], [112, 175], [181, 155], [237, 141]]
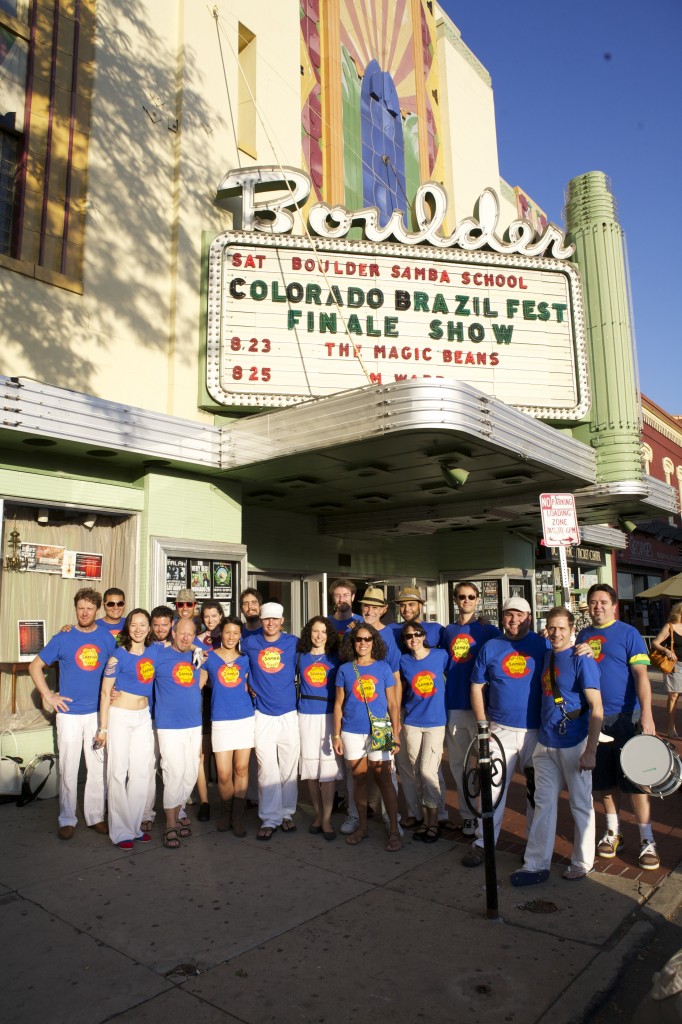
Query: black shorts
[[608, 774]]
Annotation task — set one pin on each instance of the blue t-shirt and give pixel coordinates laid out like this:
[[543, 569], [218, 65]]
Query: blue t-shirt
[[273, 672], [317, 673], [134, 673], [82, 657], [342, 626], [230, 699], [573, 675], [616, 648], [109, 627], [463, 643], [393, 652], [177, 693], [433, 630], [424, 689], [375, 679], [512, 669]]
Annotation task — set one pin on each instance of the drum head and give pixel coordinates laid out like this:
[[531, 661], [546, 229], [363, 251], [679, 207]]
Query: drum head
[[646, 760]]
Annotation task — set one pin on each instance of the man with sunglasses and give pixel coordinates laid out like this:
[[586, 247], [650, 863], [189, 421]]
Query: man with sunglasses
[[186, 606], [114, 601], [463, 640]]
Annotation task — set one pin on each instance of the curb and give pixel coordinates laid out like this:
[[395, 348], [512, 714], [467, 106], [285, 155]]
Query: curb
[[593, 985]]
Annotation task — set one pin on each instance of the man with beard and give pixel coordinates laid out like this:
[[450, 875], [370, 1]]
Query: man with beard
[[250, 603], [342, 593]]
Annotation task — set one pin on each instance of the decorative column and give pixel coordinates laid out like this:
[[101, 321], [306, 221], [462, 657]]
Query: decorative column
[[614, 429]]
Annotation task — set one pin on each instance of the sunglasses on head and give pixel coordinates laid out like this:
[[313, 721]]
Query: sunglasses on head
[[114, 604], [185, 604]]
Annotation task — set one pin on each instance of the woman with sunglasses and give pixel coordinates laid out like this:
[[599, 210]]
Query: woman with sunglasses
[[126, 729], [317, 663], [365, 682], [422, 670], [232, 729]]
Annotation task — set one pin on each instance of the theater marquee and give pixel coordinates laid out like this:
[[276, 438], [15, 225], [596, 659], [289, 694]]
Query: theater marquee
[[292, 318]]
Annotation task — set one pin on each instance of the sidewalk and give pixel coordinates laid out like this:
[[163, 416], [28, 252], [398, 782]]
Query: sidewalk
[[301, 930]]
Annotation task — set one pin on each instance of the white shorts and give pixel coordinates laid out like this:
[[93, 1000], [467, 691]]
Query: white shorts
[[357, 745], [235, 734], [318, 760]]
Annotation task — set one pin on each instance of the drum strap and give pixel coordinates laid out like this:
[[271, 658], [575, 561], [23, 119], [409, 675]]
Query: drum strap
[[568, 716]]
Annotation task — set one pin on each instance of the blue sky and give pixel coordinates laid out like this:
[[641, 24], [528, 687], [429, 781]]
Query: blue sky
[[597, 86]]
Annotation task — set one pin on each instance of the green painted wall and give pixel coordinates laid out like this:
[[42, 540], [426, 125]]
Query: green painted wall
[[58, 485]]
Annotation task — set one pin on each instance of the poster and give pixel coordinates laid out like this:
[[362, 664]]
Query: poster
[[221, 573], [47, 558], [200, 579], [31, 638], [176, 577], [82, 565]]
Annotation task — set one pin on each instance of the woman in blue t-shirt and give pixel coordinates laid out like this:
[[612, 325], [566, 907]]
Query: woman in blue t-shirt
[[316, 663], [232, 729], [365, 682], [422, 671], [126, 728]]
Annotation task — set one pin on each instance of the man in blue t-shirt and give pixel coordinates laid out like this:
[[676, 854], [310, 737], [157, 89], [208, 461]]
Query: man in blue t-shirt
[[570, 720], [272, 677], [113, 620], [621, 654], [81, 653], [411, 607], [342, 593], [463, 640], [509, 668]]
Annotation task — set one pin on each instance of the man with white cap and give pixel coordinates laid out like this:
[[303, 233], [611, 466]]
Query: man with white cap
[[510, 667], [272, 661]]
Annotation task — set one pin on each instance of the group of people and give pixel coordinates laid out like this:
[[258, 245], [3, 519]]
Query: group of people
[[344, 706]]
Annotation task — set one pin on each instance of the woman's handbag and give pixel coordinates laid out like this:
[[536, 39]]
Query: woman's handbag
[[381, 730], [662, 661], [10, 772]]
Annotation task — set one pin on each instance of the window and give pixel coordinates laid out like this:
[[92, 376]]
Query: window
[[13, 60], [9, 160], [246, 118]]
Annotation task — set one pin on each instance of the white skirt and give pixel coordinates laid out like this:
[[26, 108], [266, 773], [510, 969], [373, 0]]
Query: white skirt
[[318, 760], [233, 734]]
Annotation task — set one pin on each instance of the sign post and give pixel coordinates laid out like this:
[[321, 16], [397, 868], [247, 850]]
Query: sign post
[[560, 530]]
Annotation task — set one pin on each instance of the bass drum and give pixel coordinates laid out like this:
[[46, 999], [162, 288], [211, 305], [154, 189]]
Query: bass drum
[[652, 764]]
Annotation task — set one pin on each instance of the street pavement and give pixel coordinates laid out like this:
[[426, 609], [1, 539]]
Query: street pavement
[[302, 930]]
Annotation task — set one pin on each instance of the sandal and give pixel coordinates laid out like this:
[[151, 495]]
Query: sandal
[[146, 826], [265, 833], [184, 831], [410, 822], [432, 834], [445, 825], [357, 837], [288, 825], [393, 844], [420, 832], [171, 840], [575, 874]]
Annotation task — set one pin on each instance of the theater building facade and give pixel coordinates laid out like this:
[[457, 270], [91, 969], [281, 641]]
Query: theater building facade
[[271, 316]]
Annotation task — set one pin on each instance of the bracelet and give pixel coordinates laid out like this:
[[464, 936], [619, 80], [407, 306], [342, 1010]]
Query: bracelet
[[337, 737], [101, 730]]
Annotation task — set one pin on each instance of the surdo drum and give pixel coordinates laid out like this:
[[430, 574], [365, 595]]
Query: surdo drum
[[652, 764]]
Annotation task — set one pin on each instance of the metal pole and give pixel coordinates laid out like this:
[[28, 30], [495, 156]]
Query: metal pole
[[486, 782]]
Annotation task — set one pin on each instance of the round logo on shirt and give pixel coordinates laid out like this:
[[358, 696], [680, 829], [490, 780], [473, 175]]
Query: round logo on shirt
[[315, 675], [183, 674], [596, 642], [460, 647], [366, 685], [515, 665], [229, 676], [270, 659], [87, 657], [424, 684], [145, 670], [547, 681]]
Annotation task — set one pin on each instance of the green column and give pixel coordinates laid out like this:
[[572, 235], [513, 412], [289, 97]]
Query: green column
[[592, 223]]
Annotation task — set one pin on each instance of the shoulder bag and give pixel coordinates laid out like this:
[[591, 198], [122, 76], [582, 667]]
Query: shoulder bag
[[662, 661], [381, 730]]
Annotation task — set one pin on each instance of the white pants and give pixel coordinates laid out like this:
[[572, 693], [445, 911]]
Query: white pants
[[277, 750], [75, 733], [518, 746], [318, 760], [425, 752], [130, 762], [459, 732], [554, 769], [149, 812], [180, 752]]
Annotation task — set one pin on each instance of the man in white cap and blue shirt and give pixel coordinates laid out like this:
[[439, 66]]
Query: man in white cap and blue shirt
[[509, 670], [272, 677]]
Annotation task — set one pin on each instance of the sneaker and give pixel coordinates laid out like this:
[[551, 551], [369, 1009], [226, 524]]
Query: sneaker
[[469, 827], [475, 857], [609, 845], [648, 856], [387, 823], [350, 825]]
